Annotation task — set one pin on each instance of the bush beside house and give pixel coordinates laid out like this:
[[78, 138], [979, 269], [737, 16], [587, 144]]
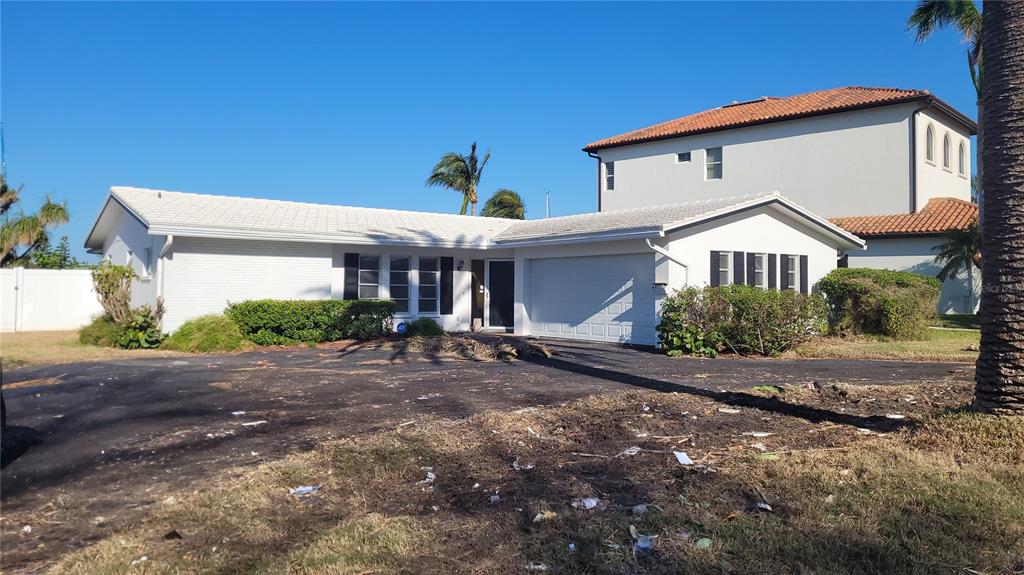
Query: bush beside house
[[881, 302], [284, 322], [206, 334], [739, 318]]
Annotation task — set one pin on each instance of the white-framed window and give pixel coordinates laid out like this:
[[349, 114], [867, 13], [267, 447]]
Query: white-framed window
[[945, 151], [929, 144], [761, 270], [682, 157], [369, 277], [147, 261], [430, 273], [609, 175], [962, 160], [128, 258], [724, 268], [793, 272], [713, 163], [398, 282]]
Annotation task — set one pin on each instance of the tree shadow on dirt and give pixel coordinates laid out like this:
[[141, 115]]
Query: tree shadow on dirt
[[17, 440]]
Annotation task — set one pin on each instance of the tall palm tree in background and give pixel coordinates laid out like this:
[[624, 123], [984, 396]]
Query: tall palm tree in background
[[963, 15], [505, 203], [21, 229], [462, 174], [999, 377], [961, 252]]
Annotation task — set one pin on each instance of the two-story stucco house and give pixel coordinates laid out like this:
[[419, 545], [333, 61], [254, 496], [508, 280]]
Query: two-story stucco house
[[842, 152]]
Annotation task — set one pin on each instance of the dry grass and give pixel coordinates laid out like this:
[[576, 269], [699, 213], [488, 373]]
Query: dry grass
[[56, 347], [959, 345], [941, 496]]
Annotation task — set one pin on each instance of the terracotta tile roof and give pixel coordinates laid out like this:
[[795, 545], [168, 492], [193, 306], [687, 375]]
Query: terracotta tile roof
[[770, 109], [938, 216]]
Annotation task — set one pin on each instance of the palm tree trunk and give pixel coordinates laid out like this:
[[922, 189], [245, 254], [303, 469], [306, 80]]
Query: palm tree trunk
[[999, 379]]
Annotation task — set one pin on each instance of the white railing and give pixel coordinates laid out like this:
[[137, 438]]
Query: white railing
[[46, 300]]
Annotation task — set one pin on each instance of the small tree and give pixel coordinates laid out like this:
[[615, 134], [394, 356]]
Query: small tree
[[113, 286], [57, 258], [18, 229]]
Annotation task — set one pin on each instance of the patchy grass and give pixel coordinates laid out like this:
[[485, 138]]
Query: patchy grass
[[942, 345], [957, 321], [55, 347], [938, 491]]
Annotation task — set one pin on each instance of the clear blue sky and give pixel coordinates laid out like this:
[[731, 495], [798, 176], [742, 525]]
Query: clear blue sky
[[353, 103]]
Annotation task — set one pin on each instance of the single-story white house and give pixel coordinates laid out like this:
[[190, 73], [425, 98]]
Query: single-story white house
[[597, 276]]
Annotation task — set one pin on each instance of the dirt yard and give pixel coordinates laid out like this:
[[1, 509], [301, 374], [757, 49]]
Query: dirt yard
[[825, 465]]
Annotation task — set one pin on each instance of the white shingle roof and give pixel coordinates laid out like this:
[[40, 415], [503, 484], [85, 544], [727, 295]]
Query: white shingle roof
[[166, 212], [180, 212], [651, 218]]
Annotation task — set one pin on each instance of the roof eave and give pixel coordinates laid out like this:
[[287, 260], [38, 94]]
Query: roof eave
[[580, 238], [918, 97], [246, 234]]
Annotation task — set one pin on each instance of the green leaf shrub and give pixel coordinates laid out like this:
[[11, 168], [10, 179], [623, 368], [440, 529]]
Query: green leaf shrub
[[739, 318], [285, 322], [206, 334], [894, 304], [424, 326], [140, 330]]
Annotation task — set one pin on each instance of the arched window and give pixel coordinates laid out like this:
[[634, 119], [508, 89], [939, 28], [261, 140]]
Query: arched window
[[962, 160], [945, 151], [929, 144]]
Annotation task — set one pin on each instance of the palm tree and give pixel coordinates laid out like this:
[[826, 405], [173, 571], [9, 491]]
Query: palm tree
[[462, 174], [960, 253], [22, 229], [930, 15], [505, 204], [999, 377]]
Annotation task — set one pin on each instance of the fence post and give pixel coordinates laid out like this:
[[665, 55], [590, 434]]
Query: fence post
[[19, 299]]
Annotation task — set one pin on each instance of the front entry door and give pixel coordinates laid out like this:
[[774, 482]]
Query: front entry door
[[500, 286]]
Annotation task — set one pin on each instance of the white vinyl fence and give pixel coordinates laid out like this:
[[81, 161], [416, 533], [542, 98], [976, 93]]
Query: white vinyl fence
[[46, 300]]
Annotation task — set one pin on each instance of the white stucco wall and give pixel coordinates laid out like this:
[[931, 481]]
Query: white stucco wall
[[917, 255], [933, 180], [129, 243], [853, 163]]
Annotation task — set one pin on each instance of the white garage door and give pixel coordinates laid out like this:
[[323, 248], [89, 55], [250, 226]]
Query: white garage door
[[600, 298]]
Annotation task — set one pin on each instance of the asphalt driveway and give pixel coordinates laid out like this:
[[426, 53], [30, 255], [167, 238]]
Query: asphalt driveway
[[92, 446]]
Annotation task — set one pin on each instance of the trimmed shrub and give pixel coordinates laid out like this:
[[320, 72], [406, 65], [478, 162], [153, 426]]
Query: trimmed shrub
[[739, 318], [207, 334], [284, 322], [882, 302], [102, 331], [424, 326]]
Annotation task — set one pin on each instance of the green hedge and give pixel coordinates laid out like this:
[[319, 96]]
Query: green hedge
[[882, 302], [424, 326], [739, 318], [283, 322]]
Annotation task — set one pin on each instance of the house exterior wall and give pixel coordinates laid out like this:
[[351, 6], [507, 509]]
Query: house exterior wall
[[129, 243], [959, 294], [845, 164], [933, 180]]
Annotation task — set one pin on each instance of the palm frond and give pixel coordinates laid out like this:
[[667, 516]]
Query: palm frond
[[505, 203], [959, 252], [930, 15]]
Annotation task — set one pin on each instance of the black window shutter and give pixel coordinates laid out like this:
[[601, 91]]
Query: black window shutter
[[803, 274], [843, 262], [714, 269], [351, 276], [750, 268], [447, 281], [737, 267], [772, 280], [784, 271]]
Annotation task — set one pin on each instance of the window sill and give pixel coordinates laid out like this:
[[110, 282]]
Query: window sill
[[930, 163], [947, 170]]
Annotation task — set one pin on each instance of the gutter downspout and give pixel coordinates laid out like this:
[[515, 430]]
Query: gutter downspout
[[664, 252], [160, 265], [598, 158]]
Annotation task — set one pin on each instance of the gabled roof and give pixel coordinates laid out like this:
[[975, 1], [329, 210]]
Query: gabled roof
[[939, 215], [165, 212], [773, 109], [199, 215], [655, 221]]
